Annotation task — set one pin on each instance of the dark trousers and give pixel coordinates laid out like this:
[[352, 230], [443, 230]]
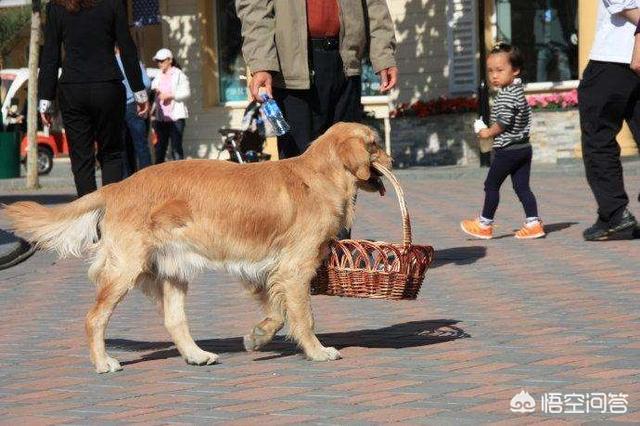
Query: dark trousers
[[608, 94], [137, 144], [169, 131], [514, 162], [332, 97], [93, 115]]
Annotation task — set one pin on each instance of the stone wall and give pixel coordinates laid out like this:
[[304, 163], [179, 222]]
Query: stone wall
[[555, 135], [445, 140]]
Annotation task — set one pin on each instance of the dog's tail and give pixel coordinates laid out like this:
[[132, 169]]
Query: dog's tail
[[67, 229]]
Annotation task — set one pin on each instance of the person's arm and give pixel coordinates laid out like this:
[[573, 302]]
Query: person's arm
[[183, 89], [635, 59], [632, 15], [128, 53], [49, 63], [491, 132], [628, 9], [258, 46], [505, 115], [382, 43], [145, 77]]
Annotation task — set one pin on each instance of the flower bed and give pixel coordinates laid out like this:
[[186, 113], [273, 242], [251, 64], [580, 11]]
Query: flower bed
[[442, 105], [440, 131], [553, 101]]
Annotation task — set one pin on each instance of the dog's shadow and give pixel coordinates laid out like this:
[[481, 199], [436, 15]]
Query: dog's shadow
[[405, 335], [458, 255]]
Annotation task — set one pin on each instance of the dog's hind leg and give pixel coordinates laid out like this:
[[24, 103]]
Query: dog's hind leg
[[265, 330], [113, 285], [175, 320]]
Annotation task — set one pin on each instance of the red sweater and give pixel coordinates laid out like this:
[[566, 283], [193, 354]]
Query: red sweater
[[323, 18]]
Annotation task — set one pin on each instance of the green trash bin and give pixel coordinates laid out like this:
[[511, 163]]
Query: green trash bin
[[9, 155]]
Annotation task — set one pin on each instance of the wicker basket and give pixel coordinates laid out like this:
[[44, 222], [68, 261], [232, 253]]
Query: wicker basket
[[375, 269]]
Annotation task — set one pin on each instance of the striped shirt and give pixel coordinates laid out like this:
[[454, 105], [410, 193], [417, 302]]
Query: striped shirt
[[512, 112]]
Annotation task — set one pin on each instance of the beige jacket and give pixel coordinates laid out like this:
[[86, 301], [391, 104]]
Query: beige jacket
[[275, 37]]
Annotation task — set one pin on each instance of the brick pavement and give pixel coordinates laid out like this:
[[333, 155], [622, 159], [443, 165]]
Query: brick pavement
[[493, 318]]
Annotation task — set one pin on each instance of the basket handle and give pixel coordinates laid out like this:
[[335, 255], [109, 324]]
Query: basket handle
[[406, 222]]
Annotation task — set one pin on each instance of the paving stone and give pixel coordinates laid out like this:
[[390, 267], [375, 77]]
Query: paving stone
[[493, 318]]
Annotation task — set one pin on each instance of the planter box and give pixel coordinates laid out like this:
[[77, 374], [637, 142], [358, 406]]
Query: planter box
[[555, 135], [445, 140], [440, 140]]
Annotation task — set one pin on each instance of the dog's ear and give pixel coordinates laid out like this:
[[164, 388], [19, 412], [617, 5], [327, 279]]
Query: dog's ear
[[355, 157]]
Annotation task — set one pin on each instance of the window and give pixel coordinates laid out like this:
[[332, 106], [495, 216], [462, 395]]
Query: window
[[546, 32], [462, 40], [230, 61]]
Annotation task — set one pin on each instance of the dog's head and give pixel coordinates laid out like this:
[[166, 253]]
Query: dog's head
[[357, 147]]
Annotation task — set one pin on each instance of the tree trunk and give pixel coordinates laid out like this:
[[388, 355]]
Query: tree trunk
[[32, 112]]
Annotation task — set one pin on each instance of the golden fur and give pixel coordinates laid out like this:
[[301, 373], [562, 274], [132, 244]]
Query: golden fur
[[267, 223]]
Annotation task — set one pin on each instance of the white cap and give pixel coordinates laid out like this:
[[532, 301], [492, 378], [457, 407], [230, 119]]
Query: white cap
[[162, 54]]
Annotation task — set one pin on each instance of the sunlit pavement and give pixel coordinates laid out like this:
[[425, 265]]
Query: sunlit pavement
[[557, 318]]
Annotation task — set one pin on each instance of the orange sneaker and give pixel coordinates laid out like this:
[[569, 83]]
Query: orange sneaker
[[476, 229], [531, 230]]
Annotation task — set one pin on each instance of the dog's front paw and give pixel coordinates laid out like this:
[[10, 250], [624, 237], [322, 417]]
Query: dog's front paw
[[108, 365], [201, 357], [325, 354]]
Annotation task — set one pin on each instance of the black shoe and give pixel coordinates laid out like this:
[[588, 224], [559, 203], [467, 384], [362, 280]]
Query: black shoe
[[602, 231]]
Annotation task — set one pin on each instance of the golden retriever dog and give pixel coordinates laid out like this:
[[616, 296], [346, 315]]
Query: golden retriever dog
[[267, 223]]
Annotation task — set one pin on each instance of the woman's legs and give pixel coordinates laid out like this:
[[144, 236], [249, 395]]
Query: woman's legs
[[80, 136], [109, 103], [177, 130], [162, 132]]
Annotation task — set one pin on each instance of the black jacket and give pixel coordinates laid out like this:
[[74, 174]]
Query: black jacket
[[89, 37]]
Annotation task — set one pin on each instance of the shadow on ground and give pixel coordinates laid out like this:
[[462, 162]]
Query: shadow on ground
[[405, 335], [548, 228], [458, 255], [38, 198]]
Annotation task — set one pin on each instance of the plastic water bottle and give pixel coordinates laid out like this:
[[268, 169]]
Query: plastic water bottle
[[274, 115]]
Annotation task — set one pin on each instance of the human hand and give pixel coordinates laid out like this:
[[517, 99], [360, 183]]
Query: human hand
[[574, 39], [260, 80], [478, 125], [388, 78], [143, 109], [484, 133], [165, 98], [46, 119]]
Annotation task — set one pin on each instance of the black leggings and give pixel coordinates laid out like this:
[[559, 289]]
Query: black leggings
[[169, 130], [514, 162]]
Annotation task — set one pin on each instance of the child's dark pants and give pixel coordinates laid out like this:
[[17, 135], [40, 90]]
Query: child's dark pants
[[514, 162]]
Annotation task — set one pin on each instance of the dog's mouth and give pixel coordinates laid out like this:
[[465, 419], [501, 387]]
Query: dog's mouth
[[375, 182]]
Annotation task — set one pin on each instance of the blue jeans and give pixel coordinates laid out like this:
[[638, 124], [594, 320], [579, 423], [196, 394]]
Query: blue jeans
[[137, 127], [169, 130]]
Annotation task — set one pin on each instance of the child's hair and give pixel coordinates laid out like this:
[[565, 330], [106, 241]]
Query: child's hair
[[515, 56]]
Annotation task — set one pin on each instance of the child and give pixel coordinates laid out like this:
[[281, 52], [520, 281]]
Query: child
[[511, 118]]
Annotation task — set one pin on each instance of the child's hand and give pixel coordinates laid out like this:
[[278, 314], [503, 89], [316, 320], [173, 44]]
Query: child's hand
[[478, 125], [484, 133]]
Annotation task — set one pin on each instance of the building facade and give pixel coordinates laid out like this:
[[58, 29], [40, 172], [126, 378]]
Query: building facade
[[441, 46]]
